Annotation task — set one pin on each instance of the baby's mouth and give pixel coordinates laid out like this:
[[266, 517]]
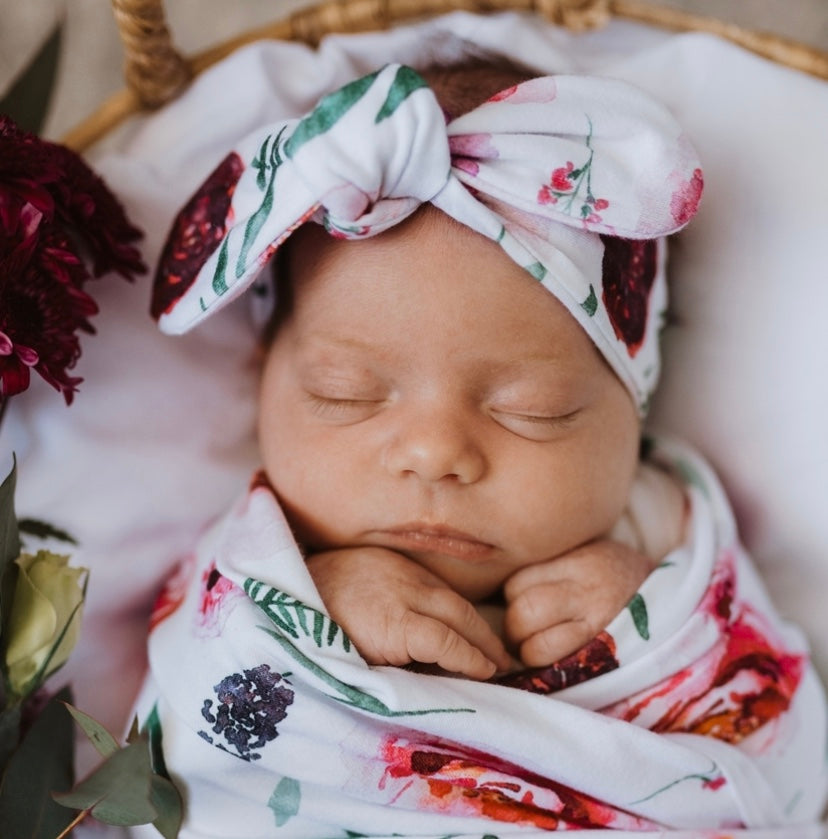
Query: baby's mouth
[[423, 538]]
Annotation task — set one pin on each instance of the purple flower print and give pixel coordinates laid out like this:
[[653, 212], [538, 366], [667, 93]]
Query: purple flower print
[[250, 707]]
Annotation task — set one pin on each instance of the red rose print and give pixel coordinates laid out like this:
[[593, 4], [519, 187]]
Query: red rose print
[[449, 778], [196, 232], [629, 270], [746, 680], [593, 659]]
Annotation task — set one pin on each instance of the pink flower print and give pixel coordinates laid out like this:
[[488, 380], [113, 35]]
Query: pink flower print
[[216, 591], [560, 184], [175, 590], [560, 180], [591, 215], [571, 189], [543, 89], [469, 150], [504, 94], [686, 197]]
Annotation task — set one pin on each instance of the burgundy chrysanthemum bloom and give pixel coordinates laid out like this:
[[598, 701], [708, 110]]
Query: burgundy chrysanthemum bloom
[[55, 215]]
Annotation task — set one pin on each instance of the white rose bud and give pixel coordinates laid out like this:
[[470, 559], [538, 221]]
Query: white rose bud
[[44, 622]]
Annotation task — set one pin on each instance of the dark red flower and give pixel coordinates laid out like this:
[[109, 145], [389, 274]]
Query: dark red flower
[[55, 213], [196, 232], [629, 270], [593, 659]]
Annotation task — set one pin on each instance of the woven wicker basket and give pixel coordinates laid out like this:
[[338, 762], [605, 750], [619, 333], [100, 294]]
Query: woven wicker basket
[[156, 72]]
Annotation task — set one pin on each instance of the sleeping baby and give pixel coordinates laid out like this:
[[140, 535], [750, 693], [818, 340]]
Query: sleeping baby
[[465, 595]]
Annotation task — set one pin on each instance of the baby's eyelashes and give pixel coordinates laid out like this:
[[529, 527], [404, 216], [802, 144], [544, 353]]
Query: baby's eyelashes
[[534, 426], [335, 407]]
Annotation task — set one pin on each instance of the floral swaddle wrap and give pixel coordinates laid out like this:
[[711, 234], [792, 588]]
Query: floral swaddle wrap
[[696, 708]]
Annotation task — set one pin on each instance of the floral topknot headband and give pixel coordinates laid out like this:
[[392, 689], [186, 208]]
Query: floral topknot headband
[[548, 169]]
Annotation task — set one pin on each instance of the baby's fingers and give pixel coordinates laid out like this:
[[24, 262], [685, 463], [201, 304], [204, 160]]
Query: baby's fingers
[[458, 614], [541, 607], [430, 641], [555, 643]]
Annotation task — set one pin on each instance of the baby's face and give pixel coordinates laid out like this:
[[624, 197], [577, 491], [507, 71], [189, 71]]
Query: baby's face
[[428, 396]]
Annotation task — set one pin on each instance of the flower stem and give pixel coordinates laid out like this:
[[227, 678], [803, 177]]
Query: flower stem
[[73, 824], [4, 400]]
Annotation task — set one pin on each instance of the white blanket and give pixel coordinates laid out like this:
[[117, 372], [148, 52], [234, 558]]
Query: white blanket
[[696, 708]]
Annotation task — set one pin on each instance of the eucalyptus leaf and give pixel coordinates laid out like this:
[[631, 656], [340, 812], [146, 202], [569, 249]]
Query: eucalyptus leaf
[[102, 740], [42, 763], [167, 801], [27, 100], [44, 530], [118, 791]]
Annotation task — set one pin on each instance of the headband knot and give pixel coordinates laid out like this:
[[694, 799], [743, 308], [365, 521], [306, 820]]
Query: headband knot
[[548, 168]]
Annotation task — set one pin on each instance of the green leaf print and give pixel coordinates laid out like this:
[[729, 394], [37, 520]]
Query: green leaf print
[[328, 112], [220, 277], [406, 81], [268, 165], [348, 694], [285, 800], [638, 610], [291, 615], [537, 270], [590, 305], [293, 619], [710, 777]]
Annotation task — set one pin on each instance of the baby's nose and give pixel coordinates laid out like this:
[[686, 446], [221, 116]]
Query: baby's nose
[[435, 447]]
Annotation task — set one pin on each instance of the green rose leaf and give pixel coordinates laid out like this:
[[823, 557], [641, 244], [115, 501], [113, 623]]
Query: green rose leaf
[[44, 619], [9, 732], [44, 530], [9, 542], [41, 763]]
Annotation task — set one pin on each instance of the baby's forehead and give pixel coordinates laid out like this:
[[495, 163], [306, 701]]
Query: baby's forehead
[[431, 277]]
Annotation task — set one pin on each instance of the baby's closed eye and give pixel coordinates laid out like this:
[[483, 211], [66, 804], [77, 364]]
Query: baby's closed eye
[[341, 407], [532, 424]]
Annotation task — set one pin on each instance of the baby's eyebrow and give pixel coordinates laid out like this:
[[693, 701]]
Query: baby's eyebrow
[[355, 342]]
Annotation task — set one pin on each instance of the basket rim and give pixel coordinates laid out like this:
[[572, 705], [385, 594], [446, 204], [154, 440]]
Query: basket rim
[[310, 24]]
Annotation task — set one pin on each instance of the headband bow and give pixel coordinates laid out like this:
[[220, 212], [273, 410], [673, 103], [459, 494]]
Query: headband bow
[[549, 169]]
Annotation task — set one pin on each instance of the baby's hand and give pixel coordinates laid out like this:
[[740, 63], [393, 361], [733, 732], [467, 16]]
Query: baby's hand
[[555, 607], [395, 612]]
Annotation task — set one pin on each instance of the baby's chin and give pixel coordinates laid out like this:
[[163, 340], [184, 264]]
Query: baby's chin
[[470, 582]]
